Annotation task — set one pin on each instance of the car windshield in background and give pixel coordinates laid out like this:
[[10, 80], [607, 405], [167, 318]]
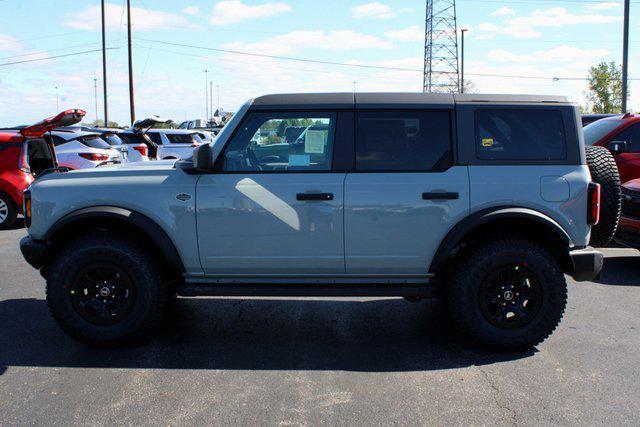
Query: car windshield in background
[[94, 142], [178, 138], [112, 139], [596, 130]]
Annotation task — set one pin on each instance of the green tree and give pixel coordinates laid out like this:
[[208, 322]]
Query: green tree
[[605, 88], [100, 123]]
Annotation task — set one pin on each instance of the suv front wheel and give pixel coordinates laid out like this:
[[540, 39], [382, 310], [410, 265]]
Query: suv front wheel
[[507, 294], [106, 290]]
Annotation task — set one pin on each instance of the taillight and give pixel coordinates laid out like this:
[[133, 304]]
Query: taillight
[[593, 207], [142, 149], [26, 208], [23, 160], [95, 157]]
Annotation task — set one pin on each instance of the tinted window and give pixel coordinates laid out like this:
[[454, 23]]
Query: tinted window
[[632, 136], [155, 137], [112, 139], [131, 138], [595, 131], [261, 143], [403, 141], [180, 138], [94, 142], [520, 135]]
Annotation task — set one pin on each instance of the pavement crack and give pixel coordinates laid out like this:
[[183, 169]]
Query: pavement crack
[[497, 394]]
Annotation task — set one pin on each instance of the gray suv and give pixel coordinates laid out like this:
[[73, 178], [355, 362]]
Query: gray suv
[[486, 201]]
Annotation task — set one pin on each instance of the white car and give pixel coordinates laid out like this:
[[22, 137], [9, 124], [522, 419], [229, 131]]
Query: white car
[[81, 150], [163, 144], [131, 152]]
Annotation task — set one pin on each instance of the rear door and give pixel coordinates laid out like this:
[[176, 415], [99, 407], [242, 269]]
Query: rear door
[[629, 162], [405, 193], [273, 209]]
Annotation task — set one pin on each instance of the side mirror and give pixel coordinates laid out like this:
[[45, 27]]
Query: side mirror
[[203, 157], [617, 147]]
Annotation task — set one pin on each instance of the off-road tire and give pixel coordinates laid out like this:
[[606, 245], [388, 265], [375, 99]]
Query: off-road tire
[[605, 172], [11, 212], [462, 293], [136, 261]]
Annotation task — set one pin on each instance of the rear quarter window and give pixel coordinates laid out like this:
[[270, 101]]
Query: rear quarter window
[[520, 134], [177, 138]]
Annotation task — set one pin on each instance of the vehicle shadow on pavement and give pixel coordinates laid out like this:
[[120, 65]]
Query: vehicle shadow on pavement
[[258, 334], [17, 225], [620, 271]]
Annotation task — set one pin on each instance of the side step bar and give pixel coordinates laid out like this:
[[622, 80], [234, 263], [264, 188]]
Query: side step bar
[[309, 290]]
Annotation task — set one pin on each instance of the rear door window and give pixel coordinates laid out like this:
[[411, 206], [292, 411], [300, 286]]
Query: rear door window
[[631, 136], [155, 137], [178, 138], [403, 141], [520, 134]]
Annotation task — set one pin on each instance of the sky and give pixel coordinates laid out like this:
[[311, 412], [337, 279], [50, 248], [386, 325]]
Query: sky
[[511, 46]]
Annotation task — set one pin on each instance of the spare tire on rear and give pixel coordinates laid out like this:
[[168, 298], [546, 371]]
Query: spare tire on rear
[[605, 172]]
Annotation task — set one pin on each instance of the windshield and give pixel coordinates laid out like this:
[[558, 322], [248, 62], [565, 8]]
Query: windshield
[[596, 130]]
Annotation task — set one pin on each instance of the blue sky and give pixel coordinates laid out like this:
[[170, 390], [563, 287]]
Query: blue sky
[[517, 38]]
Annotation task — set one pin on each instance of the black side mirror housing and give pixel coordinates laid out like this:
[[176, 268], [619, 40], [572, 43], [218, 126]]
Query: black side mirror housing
[[203, 157], [617, 147]]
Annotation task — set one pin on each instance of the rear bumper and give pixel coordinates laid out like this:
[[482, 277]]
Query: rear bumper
[[587, 264], [33, 251]]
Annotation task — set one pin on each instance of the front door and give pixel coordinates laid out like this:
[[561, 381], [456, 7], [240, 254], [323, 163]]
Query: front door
[[274, 208], [404, 195]]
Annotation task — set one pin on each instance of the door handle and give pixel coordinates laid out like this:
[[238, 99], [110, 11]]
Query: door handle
[[441, 196], [314, 196]]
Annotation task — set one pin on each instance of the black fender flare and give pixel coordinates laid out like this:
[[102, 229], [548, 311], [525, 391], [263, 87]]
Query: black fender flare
[[143, 222], [468, 224]]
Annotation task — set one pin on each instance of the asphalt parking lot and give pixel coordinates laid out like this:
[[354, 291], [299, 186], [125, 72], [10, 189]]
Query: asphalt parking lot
[[313, 361]]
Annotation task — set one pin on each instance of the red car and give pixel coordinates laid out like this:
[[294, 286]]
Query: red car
[[24, 154], [628, 233], [621, 135]]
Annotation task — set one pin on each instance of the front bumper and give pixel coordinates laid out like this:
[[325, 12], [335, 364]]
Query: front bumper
[[587, 264], [33, 251]]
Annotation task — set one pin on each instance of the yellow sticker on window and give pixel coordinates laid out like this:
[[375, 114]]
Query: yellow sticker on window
[[487, 142]]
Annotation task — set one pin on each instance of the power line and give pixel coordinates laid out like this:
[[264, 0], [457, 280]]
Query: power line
[[54, 57]]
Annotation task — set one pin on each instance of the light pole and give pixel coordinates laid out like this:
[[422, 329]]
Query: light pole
[[464, 30], [625, 56], [57, 105], [95, 98], [218, 95], [132, 106], [206, 96]]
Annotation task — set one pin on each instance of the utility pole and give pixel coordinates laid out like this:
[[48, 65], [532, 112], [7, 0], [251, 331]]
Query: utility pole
[[206, 96], [95, 97], [464, 30], [625, 56], [132, 105], [104, 68], [57, 105], [218, 95]]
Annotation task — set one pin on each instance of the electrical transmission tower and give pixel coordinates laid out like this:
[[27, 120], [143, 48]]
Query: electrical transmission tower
[[441, 48]]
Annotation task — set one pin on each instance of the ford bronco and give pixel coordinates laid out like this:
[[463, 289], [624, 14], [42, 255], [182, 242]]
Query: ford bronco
[[484, 200]]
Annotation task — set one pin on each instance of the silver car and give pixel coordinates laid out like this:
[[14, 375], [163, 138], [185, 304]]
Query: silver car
[[77, 149]]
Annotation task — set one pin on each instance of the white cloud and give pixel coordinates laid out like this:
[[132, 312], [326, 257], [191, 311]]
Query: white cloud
[[560, 17], [191, 10], [603, 6], [234, 11], [562, 53], [8, 42], [142, 18], [517, 31], [410, 34], [290, 43], [376, 10], [504, 11]]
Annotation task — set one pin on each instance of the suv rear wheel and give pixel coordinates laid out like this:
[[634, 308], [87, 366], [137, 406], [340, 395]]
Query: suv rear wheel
[[105, 290], [508, 294], [8, 211]]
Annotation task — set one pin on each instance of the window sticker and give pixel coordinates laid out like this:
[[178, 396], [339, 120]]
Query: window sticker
[[299, 160], [314, 142], [487, 142]]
